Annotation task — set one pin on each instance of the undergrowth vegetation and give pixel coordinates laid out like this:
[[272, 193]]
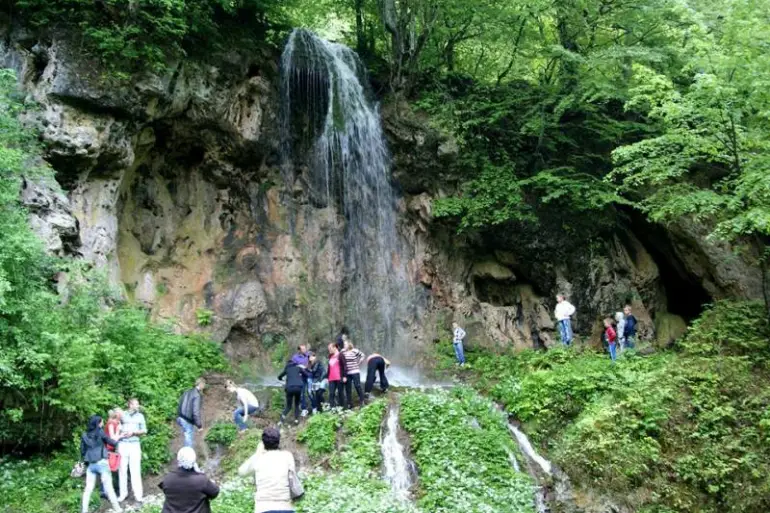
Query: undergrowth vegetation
[[685, 430], [64, 357], [462, 447]]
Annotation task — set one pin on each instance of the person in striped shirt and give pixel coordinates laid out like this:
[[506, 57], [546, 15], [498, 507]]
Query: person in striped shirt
[[458, 334], [353, 359]]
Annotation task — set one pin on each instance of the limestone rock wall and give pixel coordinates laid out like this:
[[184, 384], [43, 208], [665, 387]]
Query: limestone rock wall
[[171, 184]]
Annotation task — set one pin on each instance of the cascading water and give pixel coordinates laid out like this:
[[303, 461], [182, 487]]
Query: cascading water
[[397, 469], [331, 127]]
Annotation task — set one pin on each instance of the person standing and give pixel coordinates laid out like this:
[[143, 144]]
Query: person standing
[[302, 359], [336, 376], [189, 412], [375, 364], [316, 382], [564, 312], [186, 489], [458, 334], [353, 359], [620, 323], [293, 388], [247, 404], [93, 451], [611, 336], [272, 470], [133, 426], [113, 457], [342, 338], [629, 330]]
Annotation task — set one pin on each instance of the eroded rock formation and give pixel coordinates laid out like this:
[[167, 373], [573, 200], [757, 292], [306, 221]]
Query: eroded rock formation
[[172, 185]]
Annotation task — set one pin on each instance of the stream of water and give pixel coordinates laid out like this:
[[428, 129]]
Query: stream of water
[[396, 466], [331, 128]]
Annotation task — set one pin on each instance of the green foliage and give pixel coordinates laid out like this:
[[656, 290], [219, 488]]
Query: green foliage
[[128, 36], [462, 447], [204, 316], [684, 431], [222, 433], [241, 449], [361, 452], [64, 358], [320, 433], [731, 328]]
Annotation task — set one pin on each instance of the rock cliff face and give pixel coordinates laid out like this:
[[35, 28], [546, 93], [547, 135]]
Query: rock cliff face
[[172, 185]]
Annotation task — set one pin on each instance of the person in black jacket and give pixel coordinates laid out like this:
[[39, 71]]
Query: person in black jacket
[[94, 453], [629, 331], [187, 490], [316, 377], [189, 412], [294, 384]]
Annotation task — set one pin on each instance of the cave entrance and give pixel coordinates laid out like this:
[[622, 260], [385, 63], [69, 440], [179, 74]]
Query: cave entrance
[[685, 294]]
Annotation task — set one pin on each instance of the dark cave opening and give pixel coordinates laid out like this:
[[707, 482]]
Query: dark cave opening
[[684, 291]]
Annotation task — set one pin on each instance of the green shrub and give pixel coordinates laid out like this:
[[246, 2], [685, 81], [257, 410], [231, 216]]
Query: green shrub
[[731, 328], [320, 433], [204, 316], [462, 446], [361, 452], [222, 433]]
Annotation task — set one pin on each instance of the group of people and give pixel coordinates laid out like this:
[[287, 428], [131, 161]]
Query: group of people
[[114, 447], [187, 489], [307, 379], [618, 331]]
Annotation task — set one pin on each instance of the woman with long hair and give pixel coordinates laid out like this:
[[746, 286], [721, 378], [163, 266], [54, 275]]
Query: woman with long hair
[[93, 451]]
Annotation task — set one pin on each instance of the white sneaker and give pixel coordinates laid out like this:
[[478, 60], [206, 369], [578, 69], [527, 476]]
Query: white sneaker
[[315, 410], [304, 413]]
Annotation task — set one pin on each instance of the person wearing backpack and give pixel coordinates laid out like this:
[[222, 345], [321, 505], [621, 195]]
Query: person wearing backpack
[[93, 451], [189, 412]]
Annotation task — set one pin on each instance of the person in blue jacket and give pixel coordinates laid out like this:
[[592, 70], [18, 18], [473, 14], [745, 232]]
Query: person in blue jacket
[[629, 331]]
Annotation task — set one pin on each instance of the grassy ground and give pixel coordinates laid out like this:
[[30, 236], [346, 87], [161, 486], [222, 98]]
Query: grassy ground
[[683, 430]]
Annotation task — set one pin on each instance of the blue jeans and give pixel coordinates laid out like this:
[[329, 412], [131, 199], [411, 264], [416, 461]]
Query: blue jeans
[[565, 331], [630, 339], [189, 431], [459, 353], [239, 414], [613, 352]]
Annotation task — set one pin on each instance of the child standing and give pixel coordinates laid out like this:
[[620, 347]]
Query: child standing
[[611, 336]]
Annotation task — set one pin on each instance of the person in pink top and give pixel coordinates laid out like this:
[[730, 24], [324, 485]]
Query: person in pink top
[[335, 374]]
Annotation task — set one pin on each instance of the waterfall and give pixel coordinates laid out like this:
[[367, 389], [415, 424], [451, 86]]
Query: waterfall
[[529, 451], [397, 468], [331, 131], [553, 484]]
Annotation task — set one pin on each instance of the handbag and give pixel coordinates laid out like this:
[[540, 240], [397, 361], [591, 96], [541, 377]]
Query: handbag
[[295, 485], [113, 458], [78, 470]]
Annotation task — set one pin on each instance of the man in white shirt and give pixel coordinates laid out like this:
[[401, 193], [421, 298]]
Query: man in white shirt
[[458, 334], [134, 426], [247, 404], [564, 311]]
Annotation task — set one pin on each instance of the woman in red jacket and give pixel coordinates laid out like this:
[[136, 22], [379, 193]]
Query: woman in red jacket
[[609, 333]]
